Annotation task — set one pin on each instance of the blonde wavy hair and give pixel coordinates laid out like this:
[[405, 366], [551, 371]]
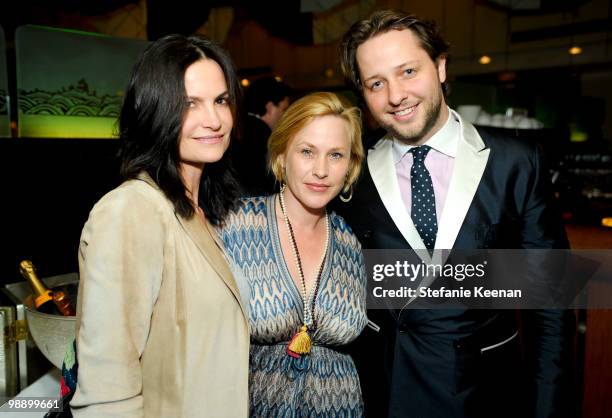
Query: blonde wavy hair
[[302, 112]]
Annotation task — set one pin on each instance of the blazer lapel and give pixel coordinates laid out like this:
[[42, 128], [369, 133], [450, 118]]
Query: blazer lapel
[[382, 171], [204, 236], [470, 163]]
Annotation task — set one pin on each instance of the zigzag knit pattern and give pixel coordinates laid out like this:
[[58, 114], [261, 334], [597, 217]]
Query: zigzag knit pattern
[[323, 383]]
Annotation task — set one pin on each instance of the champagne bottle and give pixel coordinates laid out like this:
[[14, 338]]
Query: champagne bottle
[[45, 300]]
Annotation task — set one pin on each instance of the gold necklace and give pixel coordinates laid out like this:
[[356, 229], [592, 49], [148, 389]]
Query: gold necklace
[[301, 342]]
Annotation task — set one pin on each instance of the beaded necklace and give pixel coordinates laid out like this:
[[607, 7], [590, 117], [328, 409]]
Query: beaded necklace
[[301, 342]]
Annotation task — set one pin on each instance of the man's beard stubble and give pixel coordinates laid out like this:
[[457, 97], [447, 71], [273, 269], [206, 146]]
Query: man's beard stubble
[[432, 114]]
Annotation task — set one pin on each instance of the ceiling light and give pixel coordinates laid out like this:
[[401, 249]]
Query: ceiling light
[[484, 60], [575, 50]]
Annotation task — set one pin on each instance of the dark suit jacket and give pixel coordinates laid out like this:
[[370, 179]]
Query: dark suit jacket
[[431, 363]]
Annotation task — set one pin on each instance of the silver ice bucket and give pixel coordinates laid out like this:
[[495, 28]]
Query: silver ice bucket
[[51, 333]]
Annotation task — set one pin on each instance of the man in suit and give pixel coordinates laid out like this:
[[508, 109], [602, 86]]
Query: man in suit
[[486, 191]]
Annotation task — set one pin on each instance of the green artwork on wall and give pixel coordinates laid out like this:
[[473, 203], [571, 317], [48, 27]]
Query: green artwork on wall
[[70, 84], [5, 117]]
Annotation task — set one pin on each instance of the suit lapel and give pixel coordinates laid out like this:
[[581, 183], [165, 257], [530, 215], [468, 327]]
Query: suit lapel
[[382, 171], [470, 163]]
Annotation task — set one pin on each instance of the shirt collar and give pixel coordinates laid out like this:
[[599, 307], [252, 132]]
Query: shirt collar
[[444, 141]]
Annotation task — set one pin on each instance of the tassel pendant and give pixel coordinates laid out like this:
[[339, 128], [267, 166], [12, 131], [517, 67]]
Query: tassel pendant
[[300, 343]]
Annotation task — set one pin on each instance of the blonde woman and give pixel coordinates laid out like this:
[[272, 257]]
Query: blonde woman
[[300, 267]]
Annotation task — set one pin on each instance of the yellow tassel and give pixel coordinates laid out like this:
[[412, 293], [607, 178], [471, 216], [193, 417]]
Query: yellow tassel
[[300, 343]]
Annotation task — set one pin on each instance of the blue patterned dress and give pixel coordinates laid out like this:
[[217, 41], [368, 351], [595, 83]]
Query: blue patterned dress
[[323, 383]]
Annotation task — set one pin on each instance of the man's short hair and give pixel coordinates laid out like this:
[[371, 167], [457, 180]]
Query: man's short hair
[[383, 21], [262, 91]]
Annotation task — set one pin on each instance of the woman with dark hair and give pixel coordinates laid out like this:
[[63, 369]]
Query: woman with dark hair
[[161, 331]]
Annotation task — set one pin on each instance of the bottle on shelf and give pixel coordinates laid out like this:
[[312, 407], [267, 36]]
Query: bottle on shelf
[[45, 300]]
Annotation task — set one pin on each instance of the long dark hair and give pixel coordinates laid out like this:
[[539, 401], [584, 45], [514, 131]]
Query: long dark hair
[[151, 120]]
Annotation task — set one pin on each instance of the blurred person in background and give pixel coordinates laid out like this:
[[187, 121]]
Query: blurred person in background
[[265, 101]]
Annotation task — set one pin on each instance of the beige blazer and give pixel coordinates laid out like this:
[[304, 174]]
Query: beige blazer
[[160, 330]]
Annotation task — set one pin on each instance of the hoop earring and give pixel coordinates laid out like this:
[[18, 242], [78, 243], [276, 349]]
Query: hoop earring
[[278, 185], [347, 199]]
